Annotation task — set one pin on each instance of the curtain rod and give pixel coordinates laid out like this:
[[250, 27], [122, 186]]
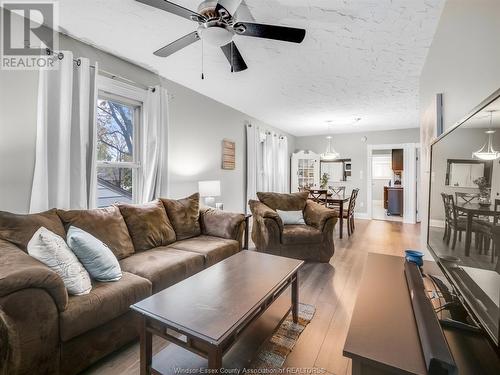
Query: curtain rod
[[114, 76], [268, 131]]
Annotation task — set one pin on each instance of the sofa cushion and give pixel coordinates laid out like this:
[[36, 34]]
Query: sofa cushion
[[106, 224], [163, 266], [19, 229], [148, 225], [50, 249], [96, 257], [284, 202], [214, 249], [300, 234], [184, 215], [105, 302]]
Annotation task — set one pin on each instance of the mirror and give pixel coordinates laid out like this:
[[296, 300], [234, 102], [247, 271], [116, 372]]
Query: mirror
[[463, 172], [336, 170]]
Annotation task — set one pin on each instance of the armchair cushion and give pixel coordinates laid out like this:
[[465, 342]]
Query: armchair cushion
[[184, 215], [300, 234], [220, 224], [19, 229], [317, 215], [148, 225], [106, 224], [284, 202]]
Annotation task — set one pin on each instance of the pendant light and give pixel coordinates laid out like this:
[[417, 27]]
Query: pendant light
[[487, 152], [330, 153]]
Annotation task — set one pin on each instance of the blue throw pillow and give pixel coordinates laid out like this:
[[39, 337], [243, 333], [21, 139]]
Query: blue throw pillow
[[96, 257]]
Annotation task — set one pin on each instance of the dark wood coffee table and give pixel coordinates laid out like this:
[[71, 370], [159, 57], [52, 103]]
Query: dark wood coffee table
[[211, 309]]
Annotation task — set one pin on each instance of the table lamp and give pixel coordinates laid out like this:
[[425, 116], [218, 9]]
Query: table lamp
[[209, 190]]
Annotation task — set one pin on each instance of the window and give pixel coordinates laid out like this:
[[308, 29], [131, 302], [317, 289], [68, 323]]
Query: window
[[382, 167], [118, 124]]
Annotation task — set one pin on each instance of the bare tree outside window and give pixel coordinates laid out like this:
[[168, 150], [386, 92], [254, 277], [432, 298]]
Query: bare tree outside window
[[115, 145]]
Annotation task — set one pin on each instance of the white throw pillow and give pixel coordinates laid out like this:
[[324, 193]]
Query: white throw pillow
[[51, 250], [291, 217]]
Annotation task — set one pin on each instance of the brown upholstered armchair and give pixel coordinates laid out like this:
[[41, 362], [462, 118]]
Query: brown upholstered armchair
[[312, 241]]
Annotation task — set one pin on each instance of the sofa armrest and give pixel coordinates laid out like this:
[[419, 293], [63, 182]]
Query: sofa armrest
[[19, 271], [221, 224], [260, 210], [316, 215]]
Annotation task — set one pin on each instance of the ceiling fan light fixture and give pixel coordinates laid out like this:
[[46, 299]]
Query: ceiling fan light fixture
[[215, 35]]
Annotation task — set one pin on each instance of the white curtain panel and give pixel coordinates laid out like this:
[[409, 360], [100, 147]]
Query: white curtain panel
[[283, 161], [267, 162], [154, 143], [252, 170], [65, 122]]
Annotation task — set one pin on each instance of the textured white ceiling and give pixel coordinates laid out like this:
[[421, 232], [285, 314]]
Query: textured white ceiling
[[360, 58]]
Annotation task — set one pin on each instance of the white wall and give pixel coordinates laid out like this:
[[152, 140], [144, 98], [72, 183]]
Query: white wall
[[463, 63], [351, 146], [196, 128]]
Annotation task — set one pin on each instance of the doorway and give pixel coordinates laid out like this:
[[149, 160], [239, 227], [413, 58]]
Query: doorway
[[392, 182], [387, 184]]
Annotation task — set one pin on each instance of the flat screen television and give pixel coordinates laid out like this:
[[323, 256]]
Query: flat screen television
[[464, 212]]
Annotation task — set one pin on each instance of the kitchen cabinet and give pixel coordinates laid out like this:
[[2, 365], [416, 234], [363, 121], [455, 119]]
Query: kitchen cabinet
[[397, 159], [393, 200]]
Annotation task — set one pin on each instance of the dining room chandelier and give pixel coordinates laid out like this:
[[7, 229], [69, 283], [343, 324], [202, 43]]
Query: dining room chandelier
[[487, 152], [330, 153]]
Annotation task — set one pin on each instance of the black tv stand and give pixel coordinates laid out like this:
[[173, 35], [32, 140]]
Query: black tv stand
[[383, 337]]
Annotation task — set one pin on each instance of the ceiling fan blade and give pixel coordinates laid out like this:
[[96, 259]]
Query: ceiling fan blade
[[173, 8], [287, 34], [177, 45], [237, 63], [230, 6]]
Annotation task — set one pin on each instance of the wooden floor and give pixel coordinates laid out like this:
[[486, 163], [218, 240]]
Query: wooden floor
[[332, 288]]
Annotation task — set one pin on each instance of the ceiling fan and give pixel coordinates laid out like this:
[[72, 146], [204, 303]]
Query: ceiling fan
[[218, 24]]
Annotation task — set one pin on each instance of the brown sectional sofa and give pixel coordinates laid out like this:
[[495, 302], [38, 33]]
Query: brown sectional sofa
[[312, 242], [43, 330]]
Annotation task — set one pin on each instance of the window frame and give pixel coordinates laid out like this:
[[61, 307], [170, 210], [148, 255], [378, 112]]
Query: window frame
[[388, 159], [120, 92]]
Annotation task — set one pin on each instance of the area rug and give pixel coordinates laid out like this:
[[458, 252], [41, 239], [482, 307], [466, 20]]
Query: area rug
[[274, 351]]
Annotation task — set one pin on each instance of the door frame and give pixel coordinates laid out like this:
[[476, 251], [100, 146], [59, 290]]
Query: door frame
[[409, 174]]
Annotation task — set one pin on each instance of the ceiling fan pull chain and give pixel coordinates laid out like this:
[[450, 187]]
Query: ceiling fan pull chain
[[202, 62], [232, 59]]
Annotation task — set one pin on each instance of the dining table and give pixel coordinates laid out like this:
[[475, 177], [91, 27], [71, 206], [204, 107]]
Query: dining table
[[328, 199], [471, 210]]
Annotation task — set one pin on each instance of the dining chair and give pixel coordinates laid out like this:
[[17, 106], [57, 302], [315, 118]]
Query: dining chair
[[338, 190], [319, 196], [458, 224], [466, 197], [488, 228], [447, 217], [349, 214]]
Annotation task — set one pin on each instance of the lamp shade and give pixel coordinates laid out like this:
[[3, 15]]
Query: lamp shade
[[209, 188]]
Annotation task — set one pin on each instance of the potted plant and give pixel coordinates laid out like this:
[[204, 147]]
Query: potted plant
[[324, 181], [484, 191]]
